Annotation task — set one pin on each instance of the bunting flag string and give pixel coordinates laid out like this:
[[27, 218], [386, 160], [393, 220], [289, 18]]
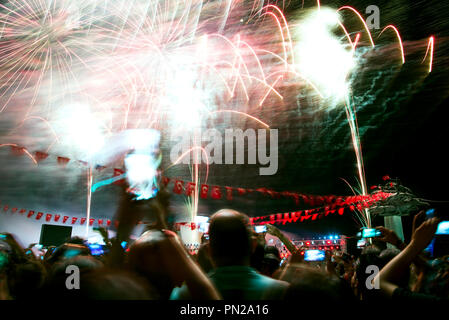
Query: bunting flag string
[[206, 191], [359, 203]]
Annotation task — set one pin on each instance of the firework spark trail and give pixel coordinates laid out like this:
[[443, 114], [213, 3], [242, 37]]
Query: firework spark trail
[[401, 46]]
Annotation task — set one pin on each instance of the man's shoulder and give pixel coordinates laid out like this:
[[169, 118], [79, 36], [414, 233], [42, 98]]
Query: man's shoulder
[[272, 282]]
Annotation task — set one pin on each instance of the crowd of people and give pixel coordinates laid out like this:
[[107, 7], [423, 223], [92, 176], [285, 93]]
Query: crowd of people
[[234, 263]]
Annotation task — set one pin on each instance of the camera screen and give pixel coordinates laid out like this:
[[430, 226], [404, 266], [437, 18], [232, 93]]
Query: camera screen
[[443, 228], [314, 255]]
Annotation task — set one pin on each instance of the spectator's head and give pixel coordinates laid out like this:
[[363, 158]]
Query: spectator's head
[[311, 284], [436, 279], [257, 255], [75, 240], [56, 286], [148, 259], [25, 279], [271, 261], [230, 238], [370, 256], [105, 284]]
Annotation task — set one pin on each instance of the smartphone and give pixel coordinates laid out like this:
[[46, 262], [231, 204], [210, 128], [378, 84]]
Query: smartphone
[[361, 243], [430, 213], [370, 233], [314, 255], [260, 229], [96, 249], [143, 175], [443, 228]]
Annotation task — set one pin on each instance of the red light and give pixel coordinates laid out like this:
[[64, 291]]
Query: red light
[[332, 248], [302, 253], [308, 243], [328, 242]]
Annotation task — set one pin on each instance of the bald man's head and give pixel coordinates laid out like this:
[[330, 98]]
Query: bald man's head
[[230, 238]]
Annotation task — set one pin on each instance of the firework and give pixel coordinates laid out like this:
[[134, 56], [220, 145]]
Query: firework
[[89, 70]]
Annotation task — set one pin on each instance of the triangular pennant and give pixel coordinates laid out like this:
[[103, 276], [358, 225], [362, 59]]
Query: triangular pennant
[[40, 156], [62, 161]]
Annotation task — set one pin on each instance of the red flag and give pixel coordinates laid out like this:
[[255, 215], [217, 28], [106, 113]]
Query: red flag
[[30, 214], [64, 219], [178, 186], [5, 208], [228, 193], [287, 218], [296, 215], [14, 210], [241, 191], [204, 191], [108, 222], [17, 151], [190, 188], [82, 221], [100, 222], [215, 193], [278, 217], [62, 161], [40, 156], [39, 215], [272, 218], [306, 216], [48, 217], [57, 216], [91, 221], [22, 211], [74, 220]]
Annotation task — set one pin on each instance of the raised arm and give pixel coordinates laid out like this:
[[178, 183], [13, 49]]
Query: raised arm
[[390, 275]]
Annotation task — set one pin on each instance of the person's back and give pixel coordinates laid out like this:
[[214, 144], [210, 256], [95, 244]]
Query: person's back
[[245, 283], [230, 246]]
